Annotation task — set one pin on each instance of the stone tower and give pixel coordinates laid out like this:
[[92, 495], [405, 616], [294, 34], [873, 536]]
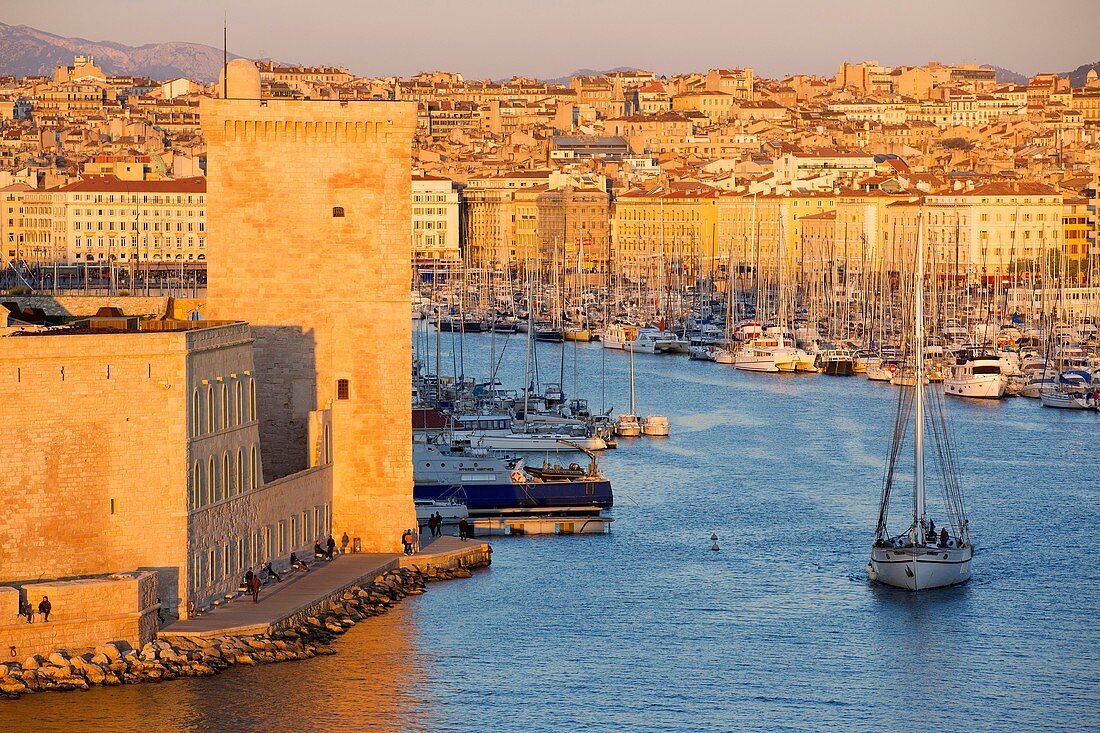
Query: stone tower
[[308, 218]]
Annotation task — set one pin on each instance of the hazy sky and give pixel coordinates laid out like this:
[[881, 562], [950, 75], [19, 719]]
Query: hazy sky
[[547, 38]]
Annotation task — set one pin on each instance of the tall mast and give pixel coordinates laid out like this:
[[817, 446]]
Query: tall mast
[[918, 427]]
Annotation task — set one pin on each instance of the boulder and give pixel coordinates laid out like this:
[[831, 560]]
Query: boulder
[[100, 659], [110, 651], [12, 686], [95, 674], [58, 659], [33, 662]]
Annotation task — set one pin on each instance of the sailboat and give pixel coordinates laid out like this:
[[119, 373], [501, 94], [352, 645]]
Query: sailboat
[[919, 558], [628, 426]]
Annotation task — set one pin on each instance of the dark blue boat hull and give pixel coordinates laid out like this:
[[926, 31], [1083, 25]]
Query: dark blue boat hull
[[545, 495]]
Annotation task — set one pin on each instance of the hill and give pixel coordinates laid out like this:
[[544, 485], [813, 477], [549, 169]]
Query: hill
[[26, 51]]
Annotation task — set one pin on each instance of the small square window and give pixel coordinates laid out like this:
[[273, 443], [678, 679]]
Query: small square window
[[342, 389], [337, 211]]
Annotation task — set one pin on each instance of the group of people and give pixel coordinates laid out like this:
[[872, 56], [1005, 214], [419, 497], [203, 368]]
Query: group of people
[[44, 608], [435, 525], [932, 537], [327, 552]]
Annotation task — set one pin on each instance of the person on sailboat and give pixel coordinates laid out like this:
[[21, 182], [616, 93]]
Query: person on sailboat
[[943, 537]]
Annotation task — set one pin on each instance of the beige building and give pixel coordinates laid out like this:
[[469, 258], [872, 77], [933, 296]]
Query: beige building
[[997, 229], [435, 222]]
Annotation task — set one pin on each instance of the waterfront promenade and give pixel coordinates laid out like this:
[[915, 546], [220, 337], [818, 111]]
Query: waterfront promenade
[[302, 593]]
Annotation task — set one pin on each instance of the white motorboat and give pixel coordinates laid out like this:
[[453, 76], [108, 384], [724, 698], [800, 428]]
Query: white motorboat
[[919, 558], [655, 426], [768, 353], [618, 335], [1036, 383], [976, 373]]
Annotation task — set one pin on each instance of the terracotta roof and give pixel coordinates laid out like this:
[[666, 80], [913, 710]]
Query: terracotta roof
[[112, 184]]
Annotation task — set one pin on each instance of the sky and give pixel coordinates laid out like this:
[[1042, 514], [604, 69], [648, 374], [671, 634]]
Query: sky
[[549, 38]]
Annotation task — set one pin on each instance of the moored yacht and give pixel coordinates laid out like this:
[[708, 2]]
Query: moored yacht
[[976, 373]]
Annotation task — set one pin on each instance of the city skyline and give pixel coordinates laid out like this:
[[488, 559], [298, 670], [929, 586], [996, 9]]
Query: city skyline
[[483, 42]]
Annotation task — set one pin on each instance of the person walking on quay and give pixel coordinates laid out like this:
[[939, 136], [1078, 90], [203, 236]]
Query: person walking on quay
[[331, 546], [407, 541], [438, 524], [44, 608], [463, 529], [254, 587]]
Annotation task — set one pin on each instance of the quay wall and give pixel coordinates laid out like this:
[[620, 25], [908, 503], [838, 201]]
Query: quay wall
[[476, 555], [86, 613], [132, 305]]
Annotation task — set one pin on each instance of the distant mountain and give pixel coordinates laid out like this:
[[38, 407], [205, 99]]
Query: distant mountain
[[1006, 76], [1077, 76], [587, 72], [26, 51]]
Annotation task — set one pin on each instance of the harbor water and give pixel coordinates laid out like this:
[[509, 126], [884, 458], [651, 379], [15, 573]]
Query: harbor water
[[648, 629]]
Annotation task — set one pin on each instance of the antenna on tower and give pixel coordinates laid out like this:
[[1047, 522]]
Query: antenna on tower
[[225, 55]]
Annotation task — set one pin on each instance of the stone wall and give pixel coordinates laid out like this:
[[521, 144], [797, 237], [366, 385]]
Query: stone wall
[[86, 612], [94, 470], [309, 217], [255, 520]]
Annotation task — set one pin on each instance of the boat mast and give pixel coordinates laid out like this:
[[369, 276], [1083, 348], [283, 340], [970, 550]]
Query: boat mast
[[918, 426]]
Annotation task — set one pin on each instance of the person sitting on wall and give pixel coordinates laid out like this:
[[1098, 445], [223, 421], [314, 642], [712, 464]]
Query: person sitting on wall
[[44, 608], [26, 609], [318, 553], [270, 572], [297, 564]]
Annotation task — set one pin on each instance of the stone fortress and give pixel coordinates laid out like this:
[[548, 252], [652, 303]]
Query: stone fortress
[[160, 459]]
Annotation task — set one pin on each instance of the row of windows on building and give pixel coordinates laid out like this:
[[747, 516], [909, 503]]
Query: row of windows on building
[[229, 560], [214, 480], [133, 226], [220, 410], [111, 198]]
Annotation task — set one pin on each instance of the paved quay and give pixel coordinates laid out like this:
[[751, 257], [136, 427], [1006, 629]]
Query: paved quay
[[301, 593]]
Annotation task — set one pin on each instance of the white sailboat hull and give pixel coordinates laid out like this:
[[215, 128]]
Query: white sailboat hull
[[529, 442], [920, 568], [987, 386]]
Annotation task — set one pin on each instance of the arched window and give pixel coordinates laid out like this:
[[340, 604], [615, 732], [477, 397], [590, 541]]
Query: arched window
[[238, 402], [211, 482], [240, 470], [225, 406], [210, 408], [227, 490], [338, 212], [253, 468], [196, 485], [196, 414], [252, 400]]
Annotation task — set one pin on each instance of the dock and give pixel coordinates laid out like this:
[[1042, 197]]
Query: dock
[[302, 594]]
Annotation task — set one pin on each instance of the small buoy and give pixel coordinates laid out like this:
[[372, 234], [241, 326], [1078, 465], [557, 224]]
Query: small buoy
[[714, 547], [713, 537]]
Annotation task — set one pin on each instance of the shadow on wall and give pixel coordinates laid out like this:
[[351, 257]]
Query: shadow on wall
[[168, 588], [286, 381], [59, 308]]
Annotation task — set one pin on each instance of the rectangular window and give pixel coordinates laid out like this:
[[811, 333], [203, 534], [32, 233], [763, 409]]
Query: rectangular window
[[342, 389]]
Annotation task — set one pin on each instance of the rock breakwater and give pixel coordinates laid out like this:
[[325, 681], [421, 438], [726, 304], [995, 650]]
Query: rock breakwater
[[117, 663]]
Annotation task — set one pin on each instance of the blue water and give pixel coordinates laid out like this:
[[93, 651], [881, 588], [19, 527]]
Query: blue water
[[646, 629]]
